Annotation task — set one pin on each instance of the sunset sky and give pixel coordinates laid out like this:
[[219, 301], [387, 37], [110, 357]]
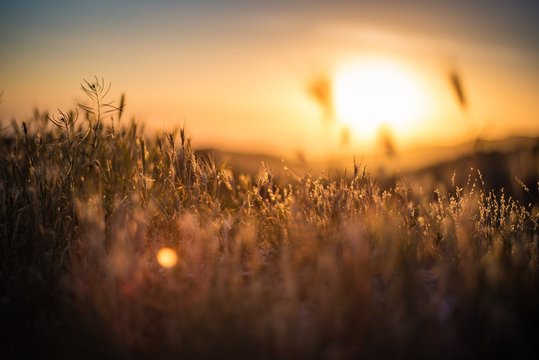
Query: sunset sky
[[238, 73]]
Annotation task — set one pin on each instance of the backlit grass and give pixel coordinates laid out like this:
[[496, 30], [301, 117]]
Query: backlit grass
[[159, 252]]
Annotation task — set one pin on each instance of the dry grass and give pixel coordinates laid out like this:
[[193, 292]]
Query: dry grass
[[302, 267]]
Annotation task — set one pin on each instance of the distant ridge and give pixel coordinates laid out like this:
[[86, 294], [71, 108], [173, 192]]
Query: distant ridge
[[412, 160]]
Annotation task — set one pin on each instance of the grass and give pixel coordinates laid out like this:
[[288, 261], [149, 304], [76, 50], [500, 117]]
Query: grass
[[298, 267]]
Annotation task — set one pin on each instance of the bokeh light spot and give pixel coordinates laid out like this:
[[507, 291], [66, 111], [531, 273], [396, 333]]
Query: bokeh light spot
[[167, 257]]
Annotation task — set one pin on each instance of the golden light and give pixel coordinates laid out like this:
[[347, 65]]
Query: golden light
[[167, 257], [376, 93]]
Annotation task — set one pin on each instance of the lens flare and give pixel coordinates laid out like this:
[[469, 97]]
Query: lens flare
[[167, 257]]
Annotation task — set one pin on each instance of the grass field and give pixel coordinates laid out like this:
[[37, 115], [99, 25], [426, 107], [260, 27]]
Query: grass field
[[292, 267]]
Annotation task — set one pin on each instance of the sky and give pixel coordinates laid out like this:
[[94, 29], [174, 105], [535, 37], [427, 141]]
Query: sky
[[239, 74]]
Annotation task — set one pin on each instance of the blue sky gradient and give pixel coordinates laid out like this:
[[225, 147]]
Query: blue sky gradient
[[197, 61]]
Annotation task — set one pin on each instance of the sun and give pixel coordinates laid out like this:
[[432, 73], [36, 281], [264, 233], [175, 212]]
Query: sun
[[375, 94]]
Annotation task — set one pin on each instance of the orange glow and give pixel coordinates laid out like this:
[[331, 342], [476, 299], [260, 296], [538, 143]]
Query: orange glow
[[167, 257], [375, 93]]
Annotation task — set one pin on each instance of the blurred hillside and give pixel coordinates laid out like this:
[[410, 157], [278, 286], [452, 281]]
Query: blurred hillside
[[511, 164]]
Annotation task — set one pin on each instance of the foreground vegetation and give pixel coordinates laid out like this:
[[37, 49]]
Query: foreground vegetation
[[297, 267]]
